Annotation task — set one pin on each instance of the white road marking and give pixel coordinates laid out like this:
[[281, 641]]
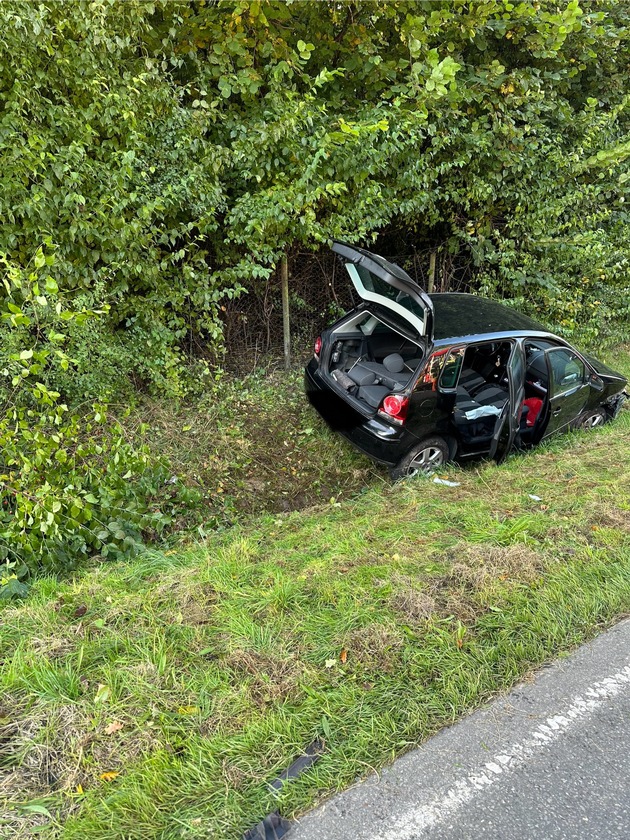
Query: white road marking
[[413, 823]]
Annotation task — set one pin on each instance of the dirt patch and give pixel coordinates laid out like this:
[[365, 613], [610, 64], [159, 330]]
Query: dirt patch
[[257, 446], [474, 569], [610, 517], [375, 647], [187, 600], [441, 596], [479, 567], [39, 752], [52, 647], [269, 678], [414, 606], [117, 752], [285, 470], [462, 607]]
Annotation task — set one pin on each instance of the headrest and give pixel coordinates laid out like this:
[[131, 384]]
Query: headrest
[[394, 363]]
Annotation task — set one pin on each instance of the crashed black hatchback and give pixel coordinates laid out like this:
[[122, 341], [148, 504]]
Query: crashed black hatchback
[[414, 380]]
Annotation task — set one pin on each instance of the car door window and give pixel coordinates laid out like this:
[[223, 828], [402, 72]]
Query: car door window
[[567, 371], [452, 367]]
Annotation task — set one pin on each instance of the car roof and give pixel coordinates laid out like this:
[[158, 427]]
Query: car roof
[[458, 315]]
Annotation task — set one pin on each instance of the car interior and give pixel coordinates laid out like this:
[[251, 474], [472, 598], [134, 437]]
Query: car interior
[[482, 390], [370, 359]]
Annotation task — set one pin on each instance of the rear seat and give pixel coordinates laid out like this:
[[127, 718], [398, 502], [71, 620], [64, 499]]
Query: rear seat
[[487, 402], [492, 395], [470, 380], [391, 373]]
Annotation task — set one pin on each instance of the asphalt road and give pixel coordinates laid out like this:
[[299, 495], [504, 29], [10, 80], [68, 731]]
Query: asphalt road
[[550, 761]]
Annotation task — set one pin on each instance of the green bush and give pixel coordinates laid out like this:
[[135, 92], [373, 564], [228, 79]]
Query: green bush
[[72, 487], [72, 484]]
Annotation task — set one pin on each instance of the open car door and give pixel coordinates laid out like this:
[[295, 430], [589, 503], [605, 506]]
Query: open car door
[[509, 421], [383, 283]]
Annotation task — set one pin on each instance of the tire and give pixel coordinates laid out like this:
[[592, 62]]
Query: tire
[[592, 419], [423, 459]]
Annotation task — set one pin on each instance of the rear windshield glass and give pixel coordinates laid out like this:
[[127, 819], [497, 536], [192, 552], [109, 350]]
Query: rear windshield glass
[[374, 284], [395, 321]]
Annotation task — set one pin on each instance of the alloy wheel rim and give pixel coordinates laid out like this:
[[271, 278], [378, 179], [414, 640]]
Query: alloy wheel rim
[[595, 420], [426, 461]]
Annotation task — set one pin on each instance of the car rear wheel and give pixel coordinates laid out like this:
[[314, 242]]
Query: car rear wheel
[[423, 459], [592, 419]]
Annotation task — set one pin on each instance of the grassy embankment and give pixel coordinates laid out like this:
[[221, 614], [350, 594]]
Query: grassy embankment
[[158, 698]]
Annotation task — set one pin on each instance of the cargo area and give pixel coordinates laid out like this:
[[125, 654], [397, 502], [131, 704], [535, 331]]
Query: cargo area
[[370, 359]]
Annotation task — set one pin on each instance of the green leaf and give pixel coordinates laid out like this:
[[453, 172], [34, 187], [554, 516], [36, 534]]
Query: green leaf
[[13, 588], [103, 694], [34, 808], [325, 725]]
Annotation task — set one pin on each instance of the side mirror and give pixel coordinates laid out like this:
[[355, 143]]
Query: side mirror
[[596, 382]]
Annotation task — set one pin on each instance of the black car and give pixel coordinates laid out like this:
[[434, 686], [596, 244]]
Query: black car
[[414, 380]]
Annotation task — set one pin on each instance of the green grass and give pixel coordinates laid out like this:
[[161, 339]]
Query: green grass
[[253, 445], [197, 675]]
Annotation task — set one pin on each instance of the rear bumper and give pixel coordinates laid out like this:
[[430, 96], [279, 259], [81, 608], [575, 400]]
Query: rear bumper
[[379, 440]]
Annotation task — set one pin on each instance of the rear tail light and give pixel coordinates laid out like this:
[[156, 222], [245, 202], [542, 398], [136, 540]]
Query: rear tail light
[[394, 407], [318, 346]]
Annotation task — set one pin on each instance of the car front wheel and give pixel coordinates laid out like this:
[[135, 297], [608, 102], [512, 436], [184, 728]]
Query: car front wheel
[[423, 459], [591, 419]]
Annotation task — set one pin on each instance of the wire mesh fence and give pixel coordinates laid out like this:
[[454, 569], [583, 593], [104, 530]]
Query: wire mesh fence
[[319, 292]]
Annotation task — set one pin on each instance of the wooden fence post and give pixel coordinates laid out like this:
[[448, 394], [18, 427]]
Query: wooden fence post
[[286, 322], [431, 283]]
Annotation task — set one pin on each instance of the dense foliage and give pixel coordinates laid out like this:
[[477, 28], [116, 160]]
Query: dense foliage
[[173, 150], [158, 157], [71, 484]]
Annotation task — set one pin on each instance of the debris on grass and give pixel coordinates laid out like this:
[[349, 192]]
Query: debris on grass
[[446, 482], [310, 755], [272, 827]]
